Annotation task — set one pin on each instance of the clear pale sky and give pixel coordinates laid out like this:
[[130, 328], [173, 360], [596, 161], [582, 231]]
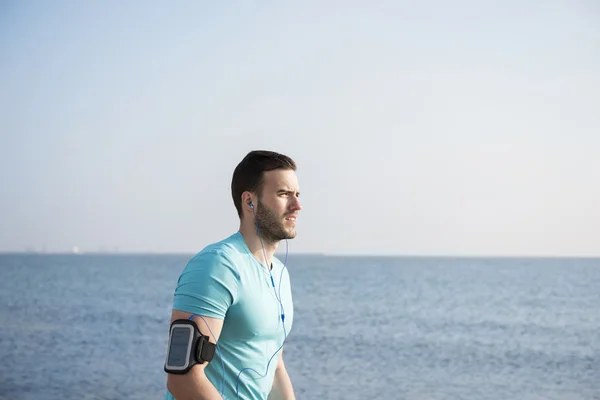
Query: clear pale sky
[[437, 128]]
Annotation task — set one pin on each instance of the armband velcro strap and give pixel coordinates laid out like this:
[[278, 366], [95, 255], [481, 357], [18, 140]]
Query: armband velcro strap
[[206, 350]]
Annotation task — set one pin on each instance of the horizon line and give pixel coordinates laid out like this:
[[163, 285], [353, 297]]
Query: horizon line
[[305, 253]]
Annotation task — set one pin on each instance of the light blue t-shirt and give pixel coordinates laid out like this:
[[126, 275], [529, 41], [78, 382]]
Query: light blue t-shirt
[[226, 281]]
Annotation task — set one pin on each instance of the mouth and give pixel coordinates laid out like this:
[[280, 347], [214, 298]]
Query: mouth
[[291, 218]]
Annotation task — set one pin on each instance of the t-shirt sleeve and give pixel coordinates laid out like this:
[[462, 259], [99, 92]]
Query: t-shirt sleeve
[[207, 286]]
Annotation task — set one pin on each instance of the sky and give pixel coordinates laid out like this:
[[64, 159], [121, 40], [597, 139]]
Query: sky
[[464, 128]]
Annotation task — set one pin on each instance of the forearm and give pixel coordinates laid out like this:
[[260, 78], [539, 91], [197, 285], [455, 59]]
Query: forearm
[[282, 386], [195, 387]]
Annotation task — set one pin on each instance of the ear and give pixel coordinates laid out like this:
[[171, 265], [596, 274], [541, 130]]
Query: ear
[[247, 200]]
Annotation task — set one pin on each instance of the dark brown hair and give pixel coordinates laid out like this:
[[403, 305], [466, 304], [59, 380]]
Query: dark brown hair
[[249, 173]]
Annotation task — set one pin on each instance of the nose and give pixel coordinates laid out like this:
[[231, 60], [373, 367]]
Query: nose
[[296, 205]]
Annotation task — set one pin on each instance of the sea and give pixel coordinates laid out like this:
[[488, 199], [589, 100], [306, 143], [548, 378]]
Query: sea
[[95, 326]]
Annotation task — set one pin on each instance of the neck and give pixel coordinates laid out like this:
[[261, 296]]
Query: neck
[[253, 242]]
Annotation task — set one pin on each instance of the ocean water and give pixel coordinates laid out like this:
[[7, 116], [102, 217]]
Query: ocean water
[[95, 327]]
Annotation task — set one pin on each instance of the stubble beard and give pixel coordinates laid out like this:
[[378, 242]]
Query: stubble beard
[[270, 225]]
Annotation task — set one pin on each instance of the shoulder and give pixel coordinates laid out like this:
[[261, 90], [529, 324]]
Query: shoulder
[[216, 258], [209, 283]]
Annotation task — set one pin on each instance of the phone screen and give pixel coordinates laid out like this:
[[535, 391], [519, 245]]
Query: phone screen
[[178, 351]]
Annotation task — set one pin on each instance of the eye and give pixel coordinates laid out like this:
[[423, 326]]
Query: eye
[[288, 193]]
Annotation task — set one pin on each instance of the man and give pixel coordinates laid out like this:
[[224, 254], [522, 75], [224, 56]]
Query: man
[[237, 292]]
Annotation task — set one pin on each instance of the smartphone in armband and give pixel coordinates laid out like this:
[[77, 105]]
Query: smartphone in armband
[[187, 347]]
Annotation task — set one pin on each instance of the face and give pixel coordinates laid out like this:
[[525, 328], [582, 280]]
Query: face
[[278, 207]]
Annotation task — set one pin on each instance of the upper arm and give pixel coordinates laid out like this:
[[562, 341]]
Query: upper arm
[[206, 288], [195, 378]]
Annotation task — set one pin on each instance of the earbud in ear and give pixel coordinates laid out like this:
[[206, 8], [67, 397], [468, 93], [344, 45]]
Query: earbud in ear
[[251, 205]]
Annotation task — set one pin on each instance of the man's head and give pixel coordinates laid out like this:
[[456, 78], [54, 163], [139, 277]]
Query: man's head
[[265, 188]]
